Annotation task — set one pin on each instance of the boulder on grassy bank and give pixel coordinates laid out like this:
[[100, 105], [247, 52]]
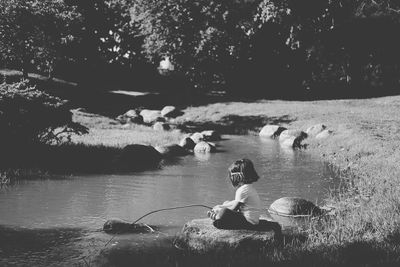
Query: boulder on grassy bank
[[201, 236], [293, 206], [292, 138], [137, 157], [170, 112], [315, 129], [204, 147], [324, 134], [169, 151], [271, 131], [131, 116], [161, 126], [151, 116], [187, 143]]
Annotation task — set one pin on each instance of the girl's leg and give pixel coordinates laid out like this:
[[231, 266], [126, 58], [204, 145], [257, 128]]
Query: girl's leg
[[229, 219]]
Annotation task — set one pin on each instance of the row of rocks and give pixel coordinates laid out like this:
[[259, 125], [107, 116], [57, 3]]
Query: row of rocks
[[294, 138], [148, 116], [137, 156]]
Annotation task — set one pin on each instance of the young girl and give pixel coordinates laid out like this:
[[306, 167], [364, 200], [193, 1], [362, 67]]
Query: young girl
[[244, 211]]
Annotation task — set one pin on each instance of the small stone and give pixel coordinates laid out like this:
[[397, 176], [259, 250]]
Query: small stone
[[204, 147], [292, 138], [324, 134], [187, 143], [169, 112], [169, 151], [197, 137], [211, 135], [315, 129], [161, 126], [151, 116], [271, 131]]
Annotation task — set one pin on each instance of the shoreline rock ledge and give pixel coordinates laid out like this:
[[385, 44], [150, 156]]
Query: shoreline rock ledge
[[200, 236]]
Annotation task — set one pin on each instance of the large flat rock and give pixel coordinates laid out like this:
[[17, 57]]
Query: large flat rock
[[201, 236]]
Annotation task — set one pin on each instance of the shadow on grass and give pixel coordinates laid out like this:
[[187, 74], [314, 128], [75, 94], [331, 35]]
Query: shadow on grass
[[235, 124]]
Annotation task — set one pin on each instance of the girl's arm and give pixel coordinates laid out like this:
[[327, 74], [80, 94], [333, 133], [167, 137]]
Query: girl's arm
[[232, 205]]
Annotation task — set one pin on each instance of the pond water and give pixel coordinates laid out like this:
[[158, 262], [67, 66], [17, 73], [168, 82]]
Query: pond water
[[57, 221]]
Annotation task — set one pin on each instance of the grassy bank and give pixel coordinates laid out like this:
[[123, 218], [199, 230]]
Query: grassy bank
[[365, 151]]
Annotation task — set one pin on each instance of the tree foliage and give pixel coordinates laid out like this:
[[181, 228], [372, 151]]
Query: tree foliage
[[29, 116]]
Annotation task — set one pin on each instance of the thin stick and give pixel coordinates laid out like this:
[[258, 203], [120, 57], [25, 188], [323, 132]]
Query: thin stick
[[173, 208]]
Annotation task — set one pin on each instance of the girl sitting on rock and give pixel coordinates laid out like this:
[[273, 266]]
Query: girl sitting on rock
[[244, 211]]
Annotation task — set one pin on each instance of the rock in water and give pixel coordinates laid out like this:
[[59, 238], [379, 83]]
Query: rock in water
[[117, 226], [315, 129], [211, 135], [137, 157], [187, 143], [201, 236], [204, 147], [197, 137], [271, 131], [171, 151], [292, 138], [292, 206]]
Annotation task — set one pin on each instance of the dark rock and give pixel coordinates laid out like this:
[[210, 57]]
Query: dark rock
[[138, 157], [204, 147], [292, 138], [211, 135], [187, 143], [315, 129], [292, 206], [271, 131], [117, 226], [201, 236], [171, 151]]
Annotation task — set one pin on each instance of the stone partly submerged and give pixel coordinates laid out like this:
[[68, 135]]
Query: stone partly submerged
[[169, 151], [201, 236], [211, 135], [187, 143], [137, 157], [292, 138], [117, 226], [197, 137], [204, 147], [293, 206], [271, 131]]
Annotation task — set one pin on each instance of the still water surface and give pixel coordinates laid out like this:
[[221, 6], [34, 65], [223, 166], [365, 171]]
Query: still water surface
[[67, 212]]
